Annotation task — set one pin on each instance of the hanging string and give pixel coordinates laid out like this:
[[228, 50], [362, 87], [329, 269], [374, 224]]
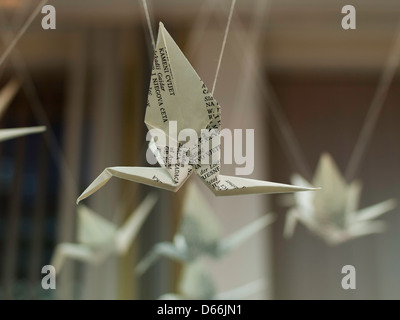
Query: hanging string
[[223, 44], [21, 32], [124, 206], [372, 117], [18, 20], [39, 112], [293, 150], [374, 109], [147, 15], [261, 84], [149, 24], [283, 128], [199, 28], [260, 14]]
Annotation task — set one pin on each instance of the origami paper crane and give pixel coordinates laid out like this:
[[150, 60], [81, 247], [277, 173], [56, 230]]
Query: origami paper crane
[[332, 213], [177, 94], [6, 95], [196, 283], [98, 238], [199, 234]]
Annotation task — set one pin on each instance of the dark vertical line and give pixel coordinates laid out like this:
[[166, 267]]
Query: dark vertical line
[[13, 224], [72, 145], [39, 216]]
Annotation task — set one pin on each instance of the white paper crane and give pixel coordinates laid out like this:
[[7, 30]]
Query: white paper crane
[[199, 234], [6, 95], [98, 238], [196, 284], [332, 213], [177, 93]]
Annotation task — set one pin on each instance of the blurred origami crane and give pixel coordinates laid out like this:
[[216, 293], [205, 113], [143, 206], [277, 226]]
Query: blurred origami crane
[[6, 95], [177, 94], [98, 238], [332, 213], [196, 284], [199, 234]]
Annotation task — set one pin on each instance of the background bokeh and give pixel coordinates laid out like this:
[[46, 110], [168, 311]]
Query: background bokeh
[[87, 81]]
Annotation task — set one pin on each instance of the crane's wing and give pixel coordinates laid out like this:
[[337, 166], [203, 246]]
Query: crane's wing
[[237, 238], [176, 92], [156, 177], [290, 223], [73, 251], [232, 186], [7, 134], [127, 233], [162, 249], [352, 201], [178, 100], [376, 210], [366, 227]]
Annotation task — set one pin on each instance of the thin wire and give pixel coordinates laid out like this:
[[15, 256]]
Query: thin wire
[[223, 45], [146, 13], [372, 116], [18, 20], [260, 17], [149, 24], [294, 152], [124, 206], [283, 127], [374, 109], [199, 28], [22, 31]]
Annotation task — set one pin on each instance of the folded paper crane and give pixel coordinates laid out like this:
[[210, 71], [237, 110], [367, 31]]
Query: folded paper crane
[[332, 213], [196, 284], [6, 96], [178, 95], [98, 238], [199, 234]]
